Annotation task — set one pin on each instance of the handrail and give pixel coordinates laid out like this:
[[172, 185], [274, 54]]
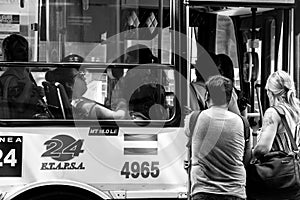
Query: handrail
[[253, 115], [84, 64]]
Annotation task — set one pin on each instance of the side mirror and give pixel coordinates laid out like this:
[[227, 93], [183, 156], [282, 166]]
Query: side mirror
[[250, 66], [22, 3], [85, 4]]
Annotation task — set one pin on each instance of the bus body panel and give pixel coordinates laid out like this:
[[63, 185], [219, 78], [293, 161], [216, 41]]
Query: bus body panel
[[136, 159], [125, 162]]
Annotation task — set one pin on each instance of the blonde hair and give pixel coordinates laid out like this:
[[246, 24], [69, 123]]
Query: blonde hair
[[283, 88]]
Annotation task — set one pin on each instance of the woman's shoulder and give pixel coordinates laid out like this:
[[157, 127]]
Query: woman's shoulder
[[272, 114], [276, 110]]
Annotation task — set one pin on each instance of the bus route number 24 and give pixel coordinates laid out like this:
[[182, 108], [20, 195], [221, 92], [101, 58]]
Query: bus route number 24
[[9, 158], [145, 169]]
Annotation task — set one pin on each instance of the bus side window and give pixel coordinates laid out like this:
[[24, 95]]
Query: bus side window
[[145, 92]]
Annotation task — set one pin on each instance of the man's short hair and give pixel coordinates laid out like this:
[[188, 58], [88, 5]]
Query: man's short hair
[[219, 89]]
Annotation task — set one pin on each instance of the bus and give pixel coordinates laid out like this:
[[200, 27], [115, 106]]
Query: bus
[[58, 155]]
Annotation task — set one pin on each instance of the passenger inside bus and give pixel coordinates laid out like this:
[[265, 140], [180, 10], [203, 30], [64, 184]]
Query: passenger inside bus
[[225, 68], [23, 95], [198, 90], [75, 85], [141, 88]]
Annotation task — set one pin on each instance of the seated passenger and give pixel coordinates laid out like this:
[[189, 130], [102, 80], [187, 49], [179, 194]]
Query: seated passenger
[[140, 88], [225, 68], [23, 95], [75, 85]]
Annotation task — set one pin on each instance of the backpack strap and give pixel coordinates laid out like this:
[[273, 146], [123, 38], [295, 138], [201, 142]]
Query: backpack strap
[[192, 124], [247, 148]]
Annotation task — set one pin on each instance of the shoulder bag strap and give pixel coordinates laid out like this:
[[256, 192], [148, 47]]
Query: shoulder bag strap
[[246, 128], [192, 124], [287, 128]]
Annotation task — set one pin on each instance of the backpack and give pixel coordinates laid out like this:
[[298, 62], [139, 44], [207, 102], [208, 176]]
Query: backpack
[[247, 148], [4, 105], [192, 124]]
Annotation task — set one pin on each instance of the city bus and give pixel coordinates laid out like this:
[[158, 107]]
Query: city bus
[[57, 155]]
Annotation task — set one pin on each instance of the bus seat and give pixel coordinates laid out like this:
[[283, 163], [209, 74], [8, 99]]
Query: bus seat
[[57, 100]]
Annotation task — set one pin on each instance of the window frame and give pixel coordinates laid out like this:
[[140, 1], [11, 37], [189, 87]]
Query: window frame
[[43, 67]]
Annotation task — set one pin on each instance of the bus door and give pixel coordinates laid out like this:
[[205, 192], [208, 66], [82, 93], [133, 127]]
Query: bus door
[[256, 36], [271, 41]]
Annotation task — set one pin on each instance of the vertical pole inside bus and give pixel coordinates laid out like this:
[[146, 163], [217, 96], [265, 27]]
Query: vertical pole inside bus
[[253, 36]]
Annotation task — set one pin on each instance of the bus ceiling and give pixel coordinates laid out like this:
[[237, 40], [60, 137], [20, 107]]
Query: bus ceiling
[[243, 3]]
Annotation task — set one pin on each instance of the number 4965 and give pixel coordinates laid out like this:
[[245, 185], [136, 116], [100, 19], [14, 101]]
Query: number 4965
[[145, 169]]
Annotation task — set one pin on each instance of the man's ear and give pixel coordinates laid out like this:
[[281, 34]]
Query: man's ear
[[206, 96], [207, 99]]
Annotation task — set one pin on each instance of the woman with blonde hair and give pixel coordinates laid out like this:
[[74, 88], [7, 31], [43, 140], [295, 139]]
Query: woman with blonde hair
[[273, 136]]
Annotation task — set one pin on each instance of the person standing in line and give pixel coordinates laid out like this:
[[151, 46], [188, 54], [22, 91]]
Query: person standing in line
[[281, 93], [217, 169]]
